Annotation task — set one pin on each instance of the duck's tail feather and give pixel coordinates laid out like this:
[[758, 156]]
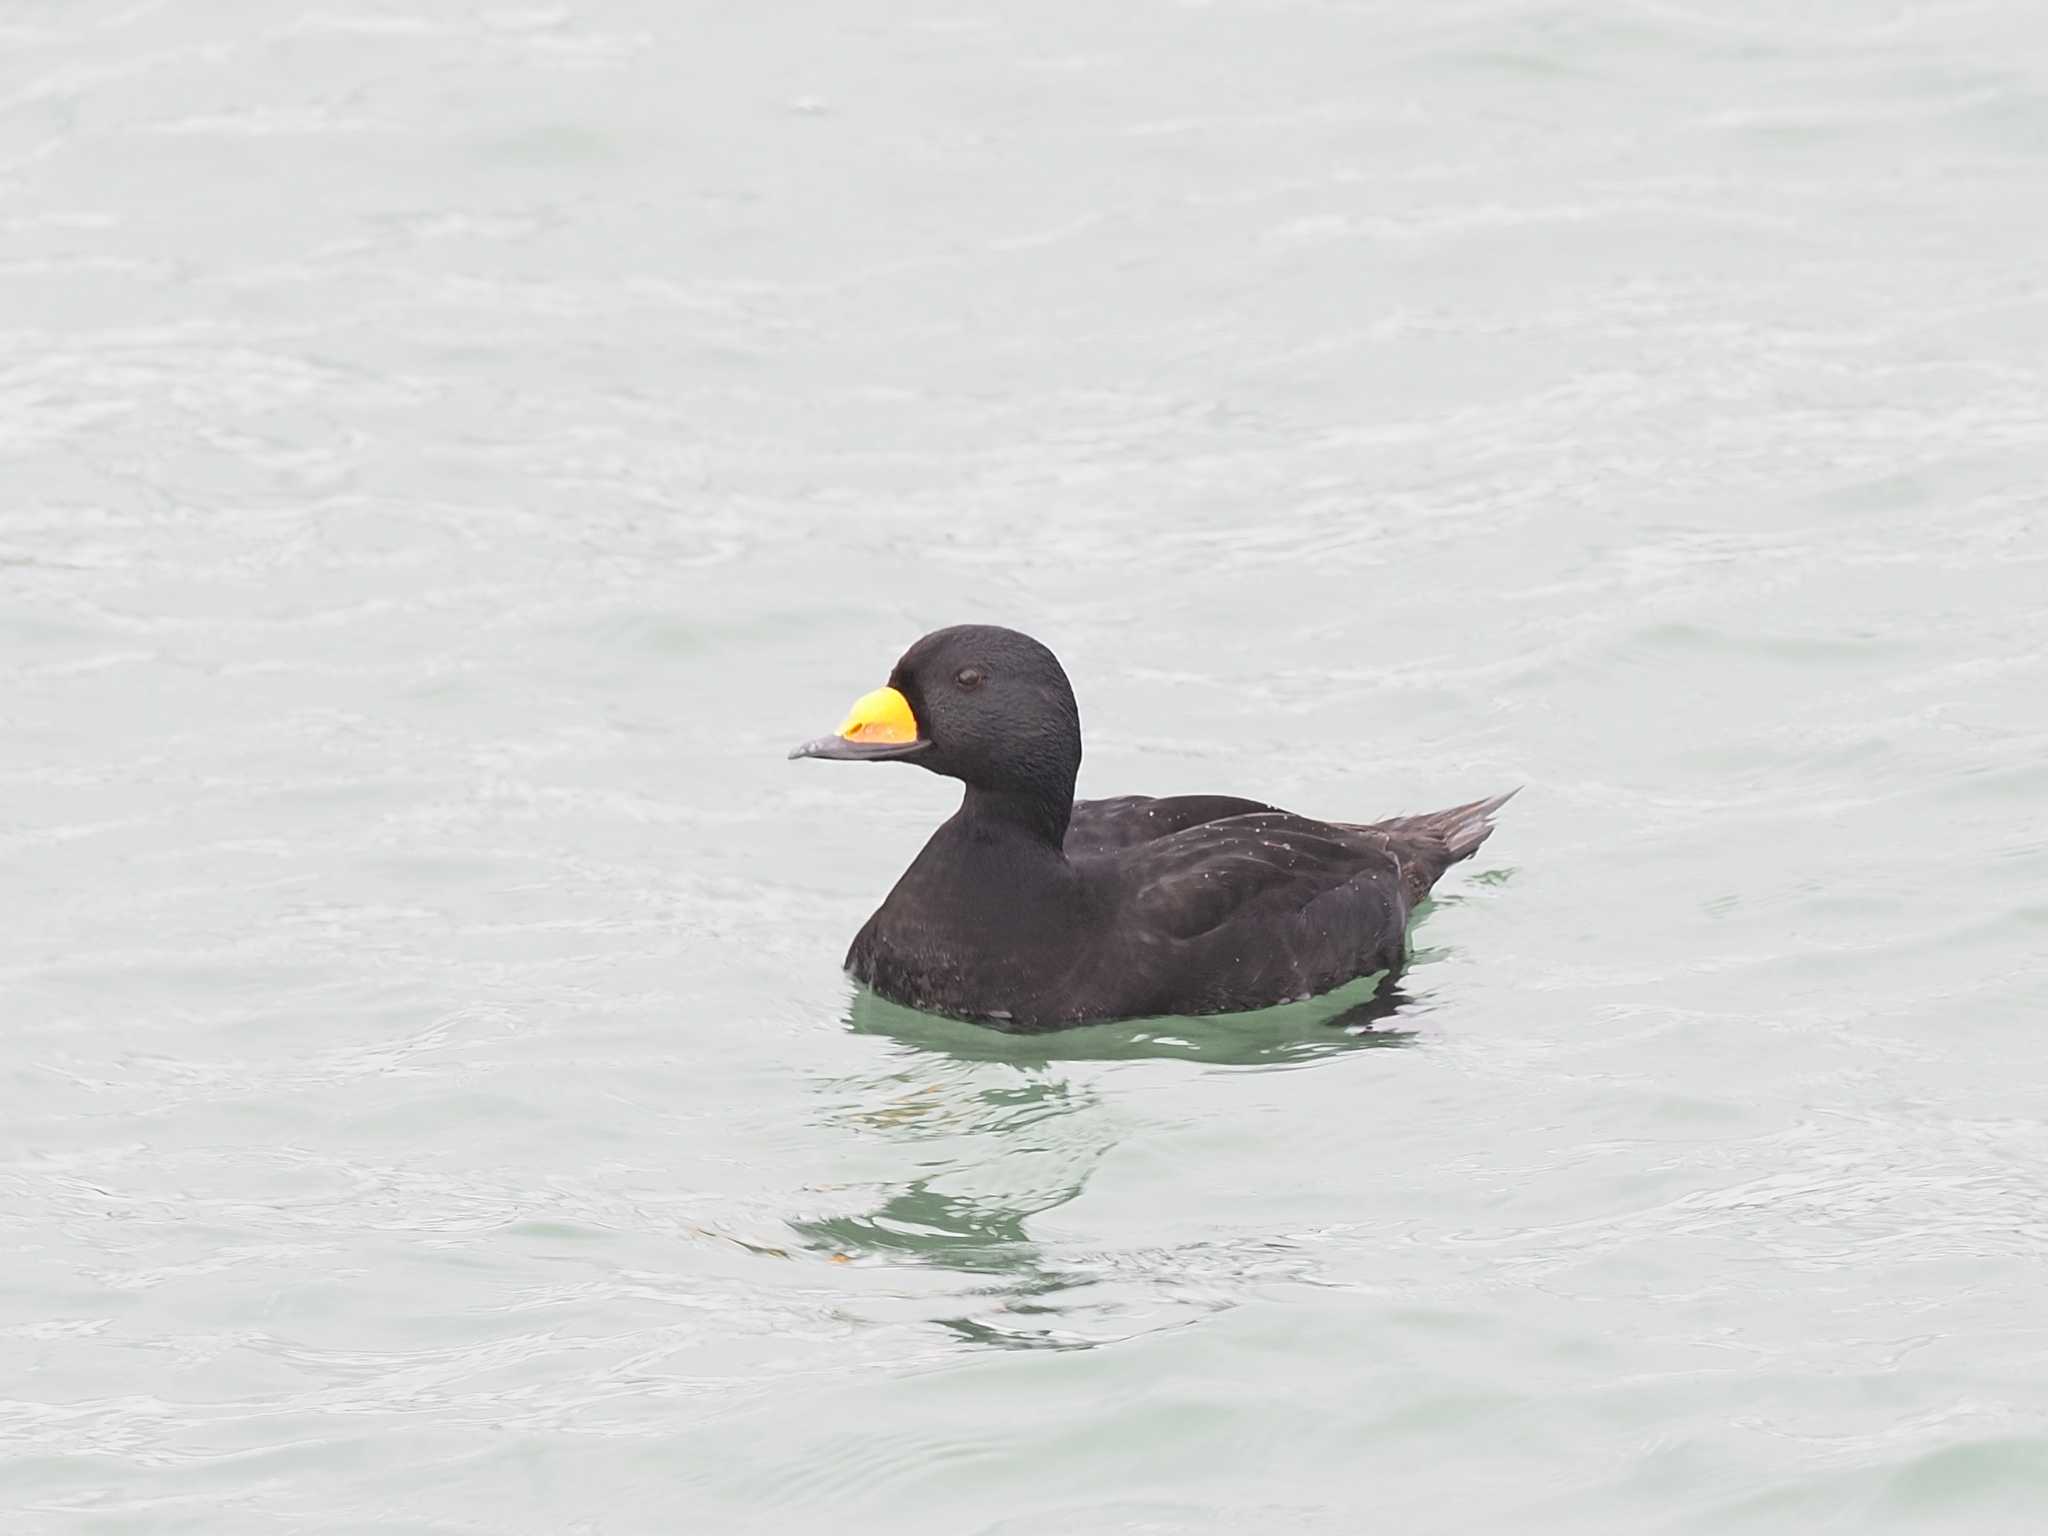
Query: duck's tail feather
[[1470, 825], [1461, 829]]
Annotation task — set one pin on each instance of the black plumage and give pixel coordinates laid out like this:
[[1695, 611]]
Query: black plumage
[[1033, 911]]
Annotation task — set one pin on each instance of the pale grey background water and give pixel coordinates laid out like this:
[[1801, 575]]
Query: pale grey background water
[[447, 453]]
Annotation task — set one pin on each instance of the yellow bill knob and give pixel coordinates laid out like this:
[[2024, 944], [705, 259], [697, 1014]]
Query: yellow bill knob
[[881, 716]]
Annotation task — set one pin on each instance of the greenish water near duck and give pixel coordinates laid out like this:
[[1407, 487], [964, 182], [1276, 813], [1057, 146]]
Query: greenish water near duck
[[451, 453]]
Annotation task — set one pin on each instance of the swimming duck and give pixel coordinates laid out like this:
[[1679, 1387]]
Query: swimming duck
[[1030, 910]]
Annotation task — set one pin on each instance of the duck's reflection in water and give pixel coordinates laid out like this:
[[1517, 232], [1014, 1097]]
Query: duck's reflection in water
[[1002, 1128]]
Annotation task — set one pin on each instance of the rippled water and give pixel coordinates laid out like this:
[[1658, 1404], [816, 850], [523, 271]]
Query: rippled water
[[450, 452]]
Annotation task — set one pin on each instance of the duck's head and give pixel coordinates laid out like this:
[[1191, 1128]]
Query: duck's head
[[985, 705]]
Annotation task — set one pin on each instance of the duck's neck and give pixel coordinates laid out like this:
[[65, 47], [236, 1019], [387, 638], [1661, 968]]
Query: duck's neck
[[1036, 815]]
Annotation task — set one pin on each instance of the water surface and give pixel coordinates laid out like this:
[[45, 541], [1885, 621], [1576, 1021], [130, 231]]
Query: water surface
[[450, 452]]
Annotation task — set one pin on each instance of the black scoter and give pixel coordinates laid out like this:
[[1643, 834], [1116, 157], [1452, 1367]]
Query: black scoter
[[1030, 910]]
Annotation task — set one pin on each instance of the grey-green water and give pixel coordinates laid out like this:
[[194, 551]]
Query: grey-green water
[[449, 452]]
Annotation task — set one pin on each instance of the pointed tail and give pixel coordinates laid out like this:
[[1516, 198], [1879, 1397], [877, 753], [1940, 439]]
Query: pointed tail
[[1462, 828]]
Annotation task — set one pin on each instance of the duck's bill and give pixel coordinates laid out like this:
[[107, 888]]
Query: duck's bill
[[839, 749], [881, 725]]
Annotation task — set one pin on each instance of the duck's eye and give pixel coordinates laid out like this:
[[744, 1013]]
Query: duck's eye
[[970, 677]]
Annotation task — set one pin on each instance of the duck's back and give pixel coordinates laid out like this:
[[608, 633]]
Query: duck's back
[[1425, 845], [1099, 826], [1246, 910], [1225, 904]]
